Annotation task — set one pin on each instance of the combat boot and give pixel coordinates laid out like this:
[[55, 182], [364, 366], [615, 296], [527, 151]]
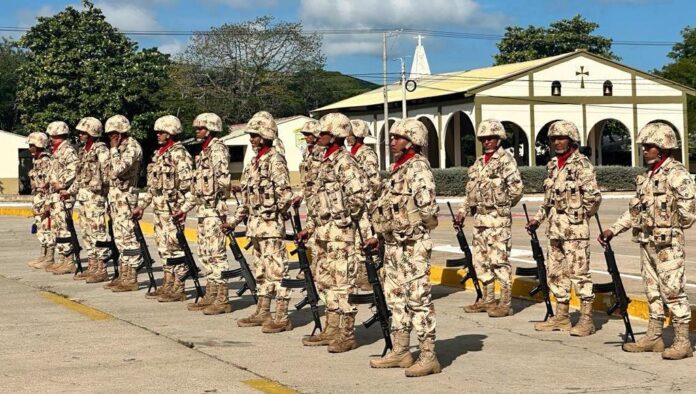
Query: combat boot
[[164, 287], [652, 341], [91, 268], [329, 333], [130, 283], [116, 281], [400, 356], [585, 325], [176, 292], [281, 322], [99, 275], [488, 300], [558, 322], [207, 299], [345, 340], [36, 263], [221, 301], [68, 267], [48, 259], [57, 262], [262, 313], [427, 363], [504, 307], [681, 348]]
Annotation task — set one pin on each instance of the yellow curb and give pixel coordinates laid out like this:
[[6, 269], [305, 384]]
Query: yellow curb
[[91, 313], [16, 211], [268, 386], [637, 308]]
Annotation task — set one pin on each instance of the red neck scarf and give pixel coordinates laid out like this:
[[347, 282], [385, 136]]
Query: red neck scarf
[[55, 146], [88, 145], [355, 147], [487, 157], [564, 157], [38, 152], [333, 148], [166, 146], [264, 149], [403, 159], [657, 165], [207, 142]]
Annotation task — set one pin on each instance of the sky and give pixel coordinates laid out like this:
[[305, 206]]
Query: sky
[[651, 21]]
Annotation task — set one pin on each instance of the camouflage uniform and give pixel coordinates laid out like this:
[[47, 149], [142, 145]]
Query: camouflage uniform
[[38, 177], [309, 171], [664, 205]]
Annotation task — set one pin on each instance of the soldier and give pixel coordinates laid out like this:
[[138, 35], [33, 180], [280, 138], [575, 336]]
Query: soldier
[[266, 197], [168, 180], [62, 173], [571, 198], [494, 187], [278, 145], [91, 188], [210, 190], [126, 157], [405, 215], [664, 206], [340, 198], [38, 176]]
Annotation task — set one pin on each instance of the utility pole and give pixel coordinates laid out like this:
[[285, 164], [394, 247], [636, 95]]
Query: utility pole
[[404, 111], [386, 103]]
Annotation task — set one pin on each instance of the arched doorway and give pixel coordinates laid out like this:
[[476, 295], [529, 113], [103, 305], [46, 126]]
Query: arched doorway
[[609, 143], [460, 141], [433, 149], [542, 148], [516, 143], [383, 143], [677, 154]]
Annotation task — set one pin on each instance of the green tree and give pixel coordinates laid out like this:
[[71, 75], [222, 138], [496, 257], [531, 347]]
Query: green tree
[[11, 58], [522, 44], [79, 65]]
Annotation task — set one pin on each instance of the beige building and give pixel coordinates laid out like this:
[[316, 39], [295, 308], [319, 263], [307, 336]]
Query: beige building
[[15, 162]]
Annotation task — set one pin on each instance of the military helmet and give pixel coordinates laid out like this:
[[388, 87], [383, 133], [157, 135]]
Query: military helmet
[[361, 129], [263, 114], [564, 128], [412, 129], [169, 124], [117, 124], [659, 134], [208, 121], [57, 128], [37, 139], [491, 128], [337, 124], [264, 127], [91, 126], [311, 127]]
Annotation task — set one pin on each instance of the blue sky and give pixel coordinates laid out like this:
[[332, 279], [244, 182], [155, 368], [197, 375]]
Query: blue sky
[[360, 55]]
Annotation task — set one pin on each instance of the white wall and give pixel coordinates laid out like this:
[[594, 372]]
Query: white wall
[[9, 154], [570, 83], [517, 87], [646, 87]]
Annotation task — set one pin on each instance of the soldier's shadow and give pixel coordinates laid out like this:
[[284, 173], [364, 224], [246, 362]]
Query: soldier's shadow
[[304, 317], [450, 349]]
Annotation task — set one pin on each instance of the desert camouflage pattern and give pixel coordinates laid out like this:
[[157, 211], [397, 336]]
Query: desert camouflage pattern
[[91, 126], [336, 271], [664, 206], [311, 127], [279, 146], [309, 172], [38, 178], [337, 124], [208, 121], [564, 128], [265, 128], [38, 139], [62, 172], [57, 128], [117, 124], [369, 163], [491, 128], [658, 134], [169, 124], [412, 129], [360, 128], [271, 266], [568, 263]]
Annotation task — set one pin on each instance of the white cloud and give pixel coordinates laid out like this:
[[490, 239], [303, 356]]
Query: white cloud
[[172, 47], [27, 17], [244, 3], [128, 16]]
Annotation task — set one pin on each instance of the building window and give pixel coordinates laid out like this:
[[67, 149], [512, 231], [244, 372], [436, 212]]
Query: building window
[[608, 88], [555, 88]]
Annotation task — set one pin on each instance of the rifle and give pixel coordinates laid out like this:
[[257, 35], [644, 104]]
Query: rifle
[[539, 272], [144, 251], [74, 241], [114, 254], [307, 284], [376, 298], [616, 287], [244, 271], [467, 260], [187, 259]]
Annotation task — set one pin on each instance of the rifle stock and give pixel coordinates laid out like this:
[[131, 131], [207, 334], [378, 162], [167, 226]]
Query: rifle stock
[[192, 270], [144, 251], [467, 261], [74, 241]]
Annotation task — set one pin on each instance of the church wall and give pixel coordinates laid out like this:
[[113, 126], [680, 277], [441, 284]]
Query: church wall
[[570, 82]]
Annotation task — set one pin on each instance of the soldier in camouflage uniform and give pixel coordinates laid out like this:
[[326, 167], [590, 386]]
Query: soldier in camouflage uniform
[[62, 173], [664, 206], [266, 197], [91, 188], [126, 157], [405, 215], [168, 180], [278, 145], [210, 190], [571, 198], [494, 187], [38, 176]]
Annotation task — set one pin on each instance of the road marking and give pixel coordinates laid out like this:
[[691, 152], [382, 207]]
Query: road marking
[[91, 313], [268, 386]]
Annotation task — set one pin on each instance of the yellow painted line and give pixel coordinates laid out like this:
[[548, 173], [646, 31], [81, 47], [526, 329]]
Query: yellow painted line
[[91, 313], [268, 386], [16, 211]]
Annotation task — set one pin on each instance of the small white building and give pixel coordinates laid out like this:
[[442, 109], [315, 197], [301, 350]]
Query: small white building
[[15, 163]]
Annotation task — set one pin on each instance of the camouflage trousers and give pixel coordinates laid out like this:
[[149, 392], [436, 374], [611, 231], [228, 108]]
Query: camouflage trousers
[[359, 256], [335, 274], [568, 263], [491, 252], [211, 248], [43, 225], [407, 287], [270, 267], [59, 227], [663, 270], [120, 204], [167, 244], [93, 225]]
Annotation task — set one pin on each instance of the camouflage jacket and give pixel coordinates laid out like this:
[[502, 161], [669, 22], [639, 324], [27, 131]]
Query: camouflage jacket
[[38, 178], [340, 197], [211, 181], [492, 190], [62, 169], [309, 171], [124, 167], [92, 172], [266, 196], [407, 209], [571, 198], [664, 205], [369, 163], [168, 178]]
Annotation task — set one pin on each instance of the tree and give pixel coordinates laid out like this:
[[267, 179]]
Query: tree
[[11, 58], [563, 36], [79, 65]]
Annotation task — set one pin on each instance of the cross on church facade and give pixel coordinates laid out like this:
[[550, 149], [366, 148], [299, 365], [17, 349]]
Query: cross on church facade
[[582, 74]]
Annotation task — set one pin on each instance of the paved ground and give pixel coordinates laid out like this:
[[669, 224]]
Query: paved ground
[[146, 346]]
